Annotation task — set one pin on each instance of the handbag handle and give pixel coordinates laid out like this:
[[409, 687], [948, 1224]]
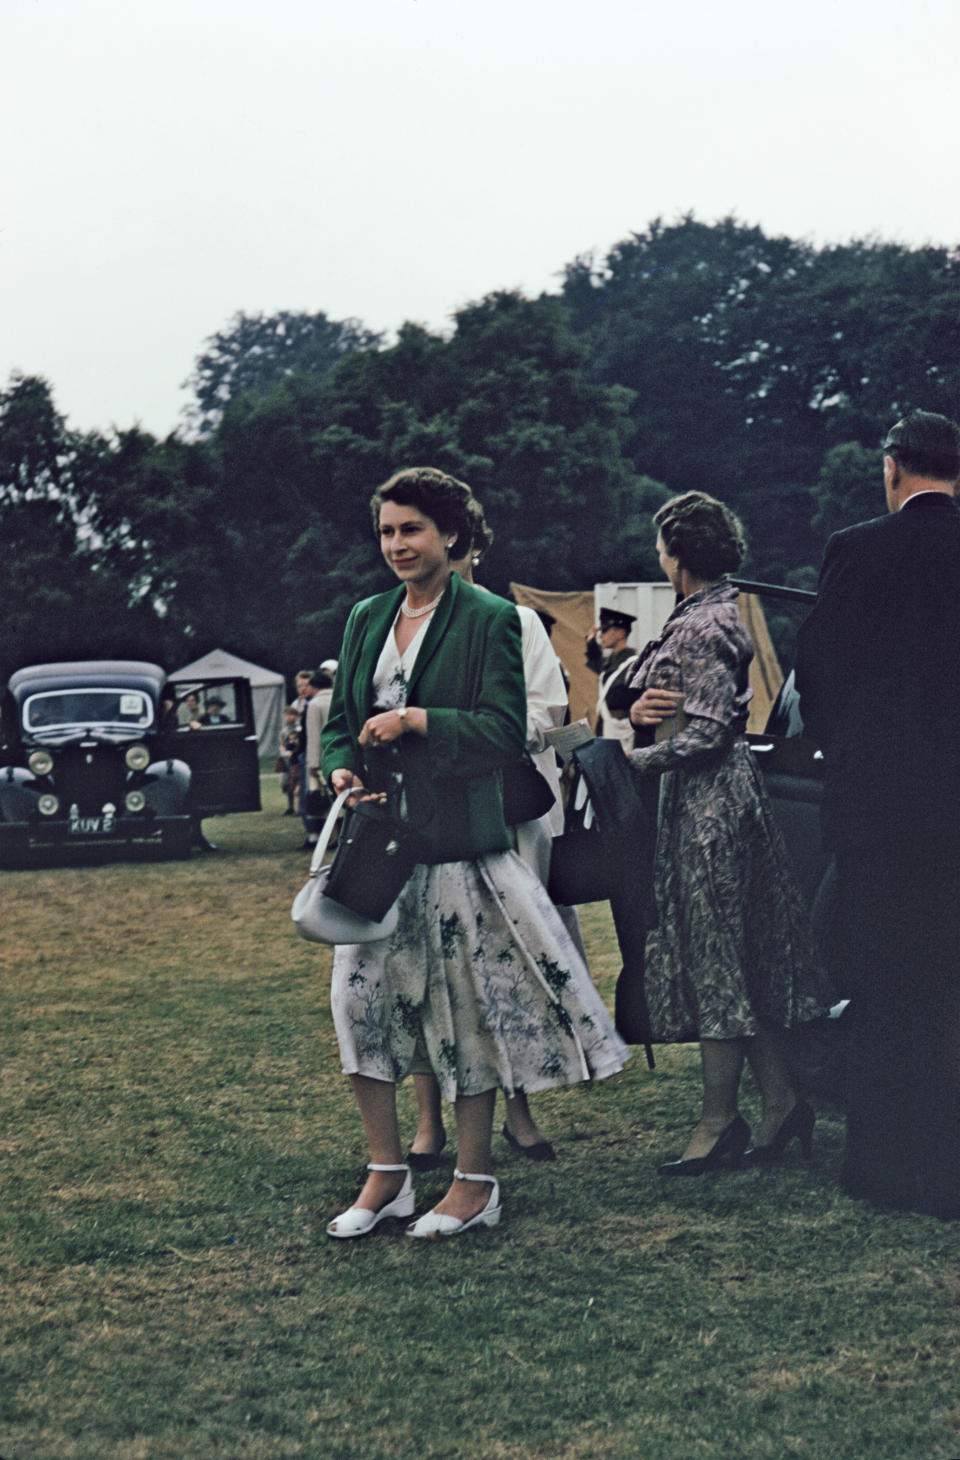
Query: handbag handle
[[323, 841]]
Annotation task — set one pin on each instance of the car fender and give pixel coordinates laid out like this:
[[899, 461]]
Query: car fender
[[166, 785], [19, 793]]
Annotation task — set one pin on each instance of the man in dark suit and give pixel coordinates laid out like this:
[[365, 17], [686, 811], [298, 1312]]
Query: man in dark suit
[[879, 679]]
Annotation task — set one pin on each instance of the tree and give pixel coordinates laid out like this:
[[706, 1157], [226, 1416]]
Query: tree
[[35, 446], [100, 535], [255, 351], [503, 403], [849, 487], [551, 449], [750, 357]]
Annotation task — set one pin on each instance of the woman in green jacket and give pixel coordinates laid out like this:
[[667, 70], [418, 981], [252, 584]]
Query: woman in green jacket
[[430, 703]]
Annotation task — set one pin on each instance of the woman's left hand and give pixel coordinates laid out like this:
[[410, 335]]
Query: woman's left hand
[[389, 725], [653, 706]]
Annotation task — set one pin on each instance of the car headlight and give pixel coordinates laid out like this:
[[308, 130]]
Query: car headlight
[[134, 800], [40, 762], [137, 757], [48, 805]]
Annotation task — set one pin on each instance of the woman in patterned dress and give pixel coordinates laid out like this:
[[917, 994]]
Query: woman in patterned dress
[[429, 704], [732, 961]]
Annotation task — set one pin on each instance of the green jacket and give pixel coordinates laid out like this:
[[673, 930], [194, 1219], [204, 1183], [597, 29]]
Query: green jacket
[[468, 676]]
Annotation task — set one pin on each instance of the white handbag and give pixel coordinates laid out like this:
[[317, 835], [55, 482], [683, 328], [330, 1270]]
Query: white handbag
[[320, 919]]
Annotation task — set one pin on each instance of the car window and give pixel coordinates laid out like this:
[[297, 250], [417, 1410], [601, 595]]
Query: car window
[[62, 709], [784, 610], [203, 706]]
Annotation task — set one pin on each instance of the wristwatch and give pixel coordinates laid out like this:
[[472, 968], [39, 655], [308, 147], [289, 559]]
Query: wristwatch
[[402, 712]]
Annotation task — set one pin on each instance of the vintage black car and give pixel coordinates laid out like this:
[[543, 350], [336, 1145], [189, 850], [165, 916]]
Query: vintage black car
[[109, 757]]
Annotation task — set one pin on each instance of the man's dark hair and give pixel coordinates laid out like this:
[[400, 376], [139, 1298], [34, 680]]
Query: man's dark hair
[[321, 680], [925, 445]]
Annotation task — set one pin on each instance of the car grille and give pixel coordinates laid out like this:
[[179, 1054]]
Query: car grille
[[88, 779]]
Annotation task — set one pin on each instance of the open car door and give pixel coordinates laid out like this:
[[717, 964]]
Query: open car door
[[210, 726], [791, 764]]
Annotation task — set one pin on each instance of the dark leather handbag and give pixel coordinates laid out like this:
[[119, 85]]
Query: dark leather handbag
[[580, 868], [319, 918], [375, 855], [584, 864], [527, 795], [607, 841], [353, 900]]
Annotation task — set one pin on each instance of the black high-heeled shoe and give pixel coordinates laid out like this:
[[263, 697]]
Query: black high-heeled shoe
[[428, 1160], [731, 1143], [798, 1124], [539, 1151]]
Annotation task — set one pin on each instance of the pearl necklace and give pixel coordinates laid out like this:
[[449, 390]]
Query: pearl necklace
[[419, 612]]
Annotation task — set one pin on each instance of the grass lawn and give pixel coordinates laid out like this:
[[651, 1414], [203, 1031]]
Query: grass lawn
[[176, 1133]]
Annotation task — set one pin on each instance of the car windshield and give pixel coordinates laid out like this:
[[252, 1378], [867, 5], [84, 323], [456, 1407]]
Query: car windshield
[[64, 708]]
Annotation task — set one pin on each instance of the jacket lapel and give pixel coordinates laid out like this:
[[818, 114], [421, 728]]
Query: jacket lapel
[[383, 611], [434, 635]]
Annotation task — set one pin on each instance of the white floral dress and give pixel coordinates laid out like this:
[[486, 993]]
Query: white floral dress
[[481, 970]]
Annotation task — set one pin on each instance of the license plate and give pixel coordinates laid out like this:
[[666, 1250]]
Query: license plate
[[91, 825]]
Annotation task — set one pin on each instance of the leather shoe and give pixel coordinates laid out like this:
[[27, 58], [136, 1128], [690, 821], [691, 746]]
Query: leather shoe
[[798, 1124], [427, 1160], [539, 1151], [731, 1143]]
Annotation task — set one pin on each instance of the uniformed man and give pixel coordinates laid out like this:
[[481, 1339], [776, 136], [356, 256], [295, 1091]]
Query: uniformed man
[[611, 657]]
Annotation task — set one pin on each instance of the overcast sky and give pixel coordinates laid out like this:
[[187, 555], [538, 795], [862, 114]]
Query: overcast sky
[[167, 163]]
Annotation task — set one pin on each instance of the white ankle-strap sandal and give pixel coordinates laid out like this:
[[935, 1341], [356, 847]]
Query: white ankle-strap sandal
[[358, 1221], [437, 1224]]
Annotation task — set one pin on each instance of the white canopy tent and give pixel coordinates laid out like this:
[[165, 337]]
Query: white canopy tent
[[268, 687]]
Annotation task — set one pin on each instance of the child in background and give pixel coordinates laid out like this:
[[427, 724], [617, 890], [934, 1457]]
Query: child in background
[[287, 758]]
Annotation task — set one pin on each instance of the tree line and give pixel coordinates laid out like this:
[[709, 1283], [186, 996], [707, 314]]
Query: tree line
[[710, 356]]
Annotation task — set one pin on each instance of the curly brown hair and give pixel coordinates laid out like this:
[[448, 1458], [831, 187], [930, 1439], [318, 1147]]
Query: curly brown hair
[[439, 496], [703, 535], [482, 539]]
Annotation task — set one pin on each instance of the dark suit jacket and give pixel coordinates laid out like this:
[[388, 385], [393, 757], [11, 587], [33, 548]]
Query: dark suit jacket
[[878, 672], [468, 676]]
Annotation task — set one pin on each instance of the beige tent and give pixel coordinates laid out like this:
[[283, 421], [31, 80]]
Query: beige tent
[[576, 613]]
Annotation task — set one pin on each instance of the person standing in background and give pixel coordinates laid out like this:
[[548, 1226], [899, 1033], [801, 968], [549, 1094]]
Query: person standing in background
[[305, 693], [547, 708], [314, 719], [732, 961], [878, 674], [610, 657], [288, 751]]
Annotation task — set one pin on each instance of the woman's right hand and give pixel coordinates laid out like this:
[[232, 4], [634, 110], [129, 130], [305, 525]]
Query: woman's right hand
[[654, 706], [342, 780]]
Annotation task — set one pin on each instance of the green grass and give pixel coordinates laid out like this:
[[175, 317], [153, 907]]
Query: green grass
[[176, 1133]]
